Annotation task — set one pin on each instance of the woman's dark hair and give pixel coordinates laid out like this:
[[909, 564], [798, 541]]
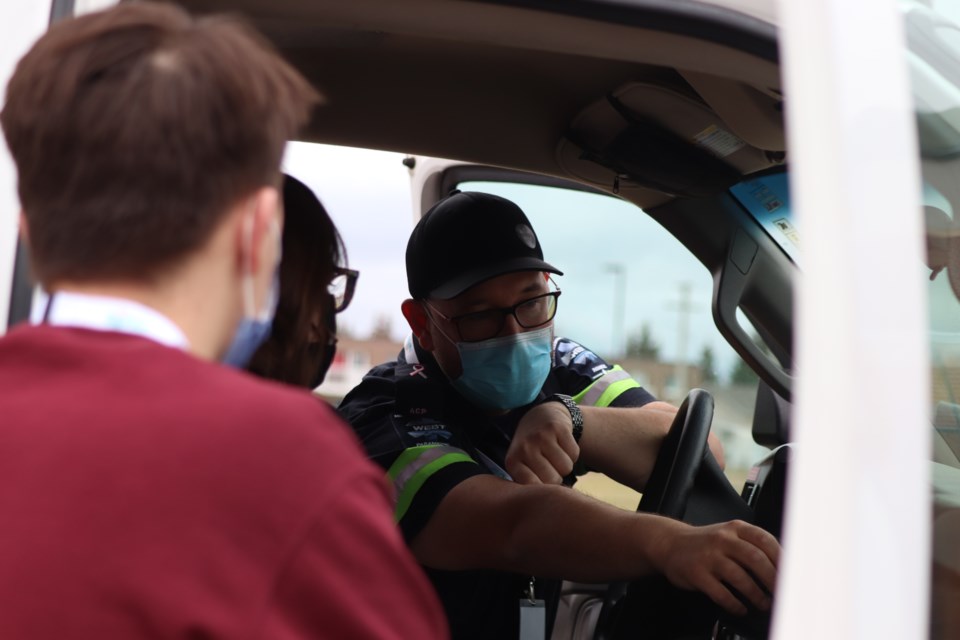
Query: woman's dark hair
[[303, 325]]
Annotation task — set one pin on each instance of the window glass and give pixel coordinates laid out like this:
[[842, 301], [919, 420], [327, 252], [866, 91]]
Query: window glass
[[933, 35], [634, 295]]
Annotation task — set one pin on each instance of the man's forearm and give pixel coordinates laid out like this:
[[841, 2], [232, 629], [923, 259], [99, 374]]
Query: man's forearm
[[545, 530], [566, 534], [623, 443]]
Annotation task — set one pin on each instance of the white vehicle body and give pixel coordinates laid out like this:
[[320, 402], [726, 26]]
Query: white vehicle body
[[839, 98]]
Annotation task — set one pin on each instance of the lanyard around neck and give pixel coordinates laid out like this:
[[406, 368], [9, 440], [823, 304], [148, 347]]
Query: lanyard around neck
[[104, 313]]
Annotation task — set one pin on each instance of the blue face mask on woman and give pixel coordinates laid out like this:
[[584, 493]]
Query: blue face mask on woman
[[505, 373]]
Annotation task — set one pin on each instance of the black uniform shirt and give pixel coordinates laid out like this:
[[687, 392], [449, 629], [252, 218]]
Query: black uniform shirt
[[429, 439]]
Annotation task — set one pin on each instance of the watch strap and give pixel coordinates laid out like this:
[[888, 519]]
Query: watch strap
[[576, 417]]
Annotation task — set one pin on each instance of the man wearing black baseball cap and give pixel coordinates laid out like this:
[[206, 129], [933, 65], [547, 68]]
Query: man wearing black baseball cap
[[468, 238], [485, 416]]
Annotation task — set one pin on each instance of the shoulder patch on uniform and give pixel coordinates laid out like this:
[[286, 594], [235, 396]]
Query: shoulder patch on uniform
[[573, 355]]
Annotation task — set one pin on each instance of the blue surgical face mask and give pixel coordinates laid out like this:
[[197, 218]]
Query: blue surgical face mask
[[254, 327], [505, 373], [253, 331]]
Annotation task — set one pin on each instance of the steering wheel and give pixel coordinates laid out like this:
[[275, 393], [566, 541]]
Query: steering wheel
[[679, 459], [667, 491]]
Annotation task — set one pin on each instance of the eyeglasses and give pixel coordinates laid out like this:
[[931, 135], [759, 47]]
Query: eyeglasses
[[486, 324], [342, 286]]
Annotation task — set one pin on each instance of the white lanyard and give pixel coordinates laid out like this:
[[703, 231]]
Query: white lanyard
[[104, 313]]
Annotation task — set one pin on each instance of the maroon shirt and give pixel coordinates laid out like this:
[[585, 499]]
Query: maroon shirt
[[145, 493]]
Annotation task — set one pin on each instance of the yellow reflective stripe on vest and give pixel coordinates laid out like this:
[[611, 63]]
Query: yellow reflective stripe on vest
[[607, 388], [414, 466]]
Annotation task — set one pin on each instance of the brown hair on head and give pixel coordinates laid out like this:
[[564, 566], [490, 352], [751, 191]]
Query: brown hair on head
[[135, 129]]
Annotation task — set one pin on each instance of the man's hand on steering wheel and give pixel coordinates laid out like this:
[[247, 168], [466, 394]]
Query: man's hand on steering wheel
[[715, 558]]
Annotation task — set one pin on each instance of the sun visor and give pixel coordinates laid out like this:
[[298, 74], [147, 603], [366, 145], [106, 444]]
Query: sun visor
[[682, 150]]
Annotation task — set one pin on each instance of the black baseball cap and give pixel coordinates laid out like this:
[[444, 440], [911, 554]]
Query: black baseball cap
[[466, 238]]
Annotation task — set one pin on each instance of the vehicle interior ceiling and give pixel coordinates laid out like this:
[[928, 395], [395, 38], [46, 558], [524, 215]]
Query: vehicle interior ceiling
[[664, 113]]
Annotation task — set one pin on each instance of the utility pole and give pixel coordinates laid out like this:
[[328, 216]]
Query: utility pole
[[619, 306], [684, 308]]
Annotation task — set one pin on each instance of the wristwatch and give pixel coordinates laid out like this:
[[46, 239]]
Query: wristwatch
[[575, 416]]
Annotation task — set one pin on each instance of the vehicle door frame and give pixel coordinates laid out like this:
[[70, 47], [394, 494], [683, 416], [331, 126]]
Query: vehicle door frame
[[857, 540]]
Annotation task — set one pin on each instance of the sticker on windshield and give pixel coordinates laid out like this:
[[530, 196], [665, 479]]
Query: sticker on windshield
[[719, 142], [767, 199], [788, 230]]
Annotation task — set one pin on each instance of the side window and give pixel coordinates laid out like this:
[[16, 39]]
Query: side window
[[631, 292], [634, 295]]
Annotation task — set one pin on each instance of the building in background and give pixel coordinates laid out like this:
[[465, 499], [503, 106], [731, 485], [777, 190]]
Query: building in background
[[353, 359]]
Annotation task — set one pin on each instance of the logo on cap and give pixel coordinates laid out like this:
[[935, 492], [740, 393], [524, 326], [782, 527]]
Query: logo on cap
[[526, 235]]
